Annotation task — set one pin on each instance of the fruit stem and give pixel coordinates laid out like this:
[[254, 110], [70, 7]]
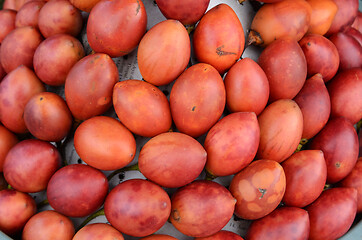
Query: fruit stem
[[133, 167], [42, 203], [254, 38], [359, 126], [302, 143], [209, 176], [96, 214], [190, 28]]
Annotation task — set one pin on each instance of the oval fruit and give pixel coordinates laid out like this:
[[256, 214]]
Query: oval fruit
[[84, 5], [7, 141], [28, 14], [197, 99], [247, 87], [191, 203], [231, 144], [164, 52], [258, 189], [104, 143], [89, 86], [281, 128], [131, 207], [142, 107], [159, 237], [219, 38], [323, 13], [116, 27], [222, 235], [96, 231], [7, 22]]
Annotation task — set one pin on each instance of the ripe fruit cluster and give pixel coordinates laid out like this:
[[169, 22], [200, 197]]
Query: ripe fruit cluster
[[270, 139]]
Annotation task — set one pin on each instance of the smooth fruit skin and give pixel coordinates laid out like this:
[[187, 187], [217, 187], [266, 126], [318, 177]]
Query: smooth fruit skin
[[231, 144], [345, 95], [164, 52], [219, 38], [281, 128], [77, 190], [142, 107], [137, 207], [7, 141], [323, 13], [159, 237], [48, 224], [307, 167], [315, 103], [116, 27], [285, 66], [47, 117], [197, 99], [332, 214], [89, 86], [16, 208], [172, 159], [28, 14], [194, 212], [258, 189], [104, 143], [283, 223], [188, 12], [84, 5], [16, 89], [7, 22], [30, 164], [339, 142], [221, 235], [247, 87], [95, 231]]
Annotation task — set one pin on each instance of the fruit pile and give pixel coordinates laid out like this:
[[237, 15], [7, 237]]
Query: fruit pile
[[178, 120]]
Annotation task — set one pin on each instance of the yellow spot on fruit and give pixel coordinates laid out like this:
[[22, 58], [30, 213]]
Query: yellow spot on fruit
[[263, 179], [248, 190], [254, 207]]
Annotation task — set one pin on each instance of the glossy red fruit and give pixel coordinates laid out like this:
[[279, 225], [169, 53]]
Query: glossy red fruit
[[84, 5], [188, 12], [116, 27], [16, 208], [59, 17], [142, 107], [281, 128], [231, 144], [197, 99], [48, 224], [222, 235], [18, 48], [345, 95], [98, 133], [137, 207], [172, 159], [28, 14], [191, 203], [247, 87], [322, 15], [15, 91], [7, 141], [7, 22], [258, 189], [285, 65], [307, 167], [282, 224], [219, 38], [356, 34], [96, 231], [332, 214], [315, 103], [14, 4], [339, 142], [77, 190], [164, 52], [47, 117], [89, 86]]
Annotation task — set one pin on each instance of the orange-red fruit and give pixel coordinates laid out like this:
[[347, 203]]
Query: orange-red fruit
[[172, 159], [247, 87], [7, 22], [258, 189], [164, 52], [281, 127], [323, 13], [307, 167], [15, 91], [104, 143], [191, 203], [231, 144], [47, 117], [7, 141], [28, 14], [48, 224], [142, 107], [314, 102], [219, 38], [95, 231], [89, 86], [159, 237], [14, 4], [288, 18], [197, 99], [84, 5], [222, 235], [285, 65], [282, 224], [116, 27], [332, 214]]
